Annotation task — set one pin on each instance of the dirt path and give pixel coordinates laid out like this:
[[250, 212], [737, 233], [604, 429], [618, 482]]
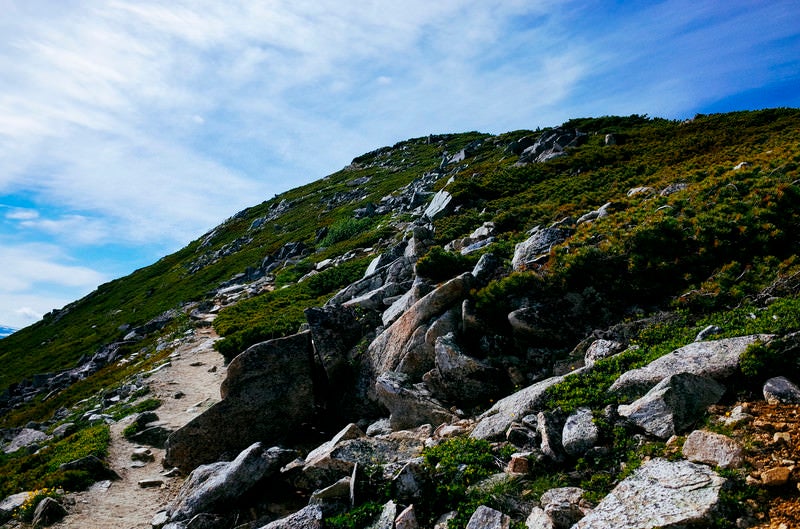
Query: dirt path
[[196, 371]]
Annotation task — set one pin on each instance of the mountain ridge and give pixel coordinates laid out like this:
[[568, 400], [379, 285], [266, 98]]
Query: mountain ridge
[[468, 266]]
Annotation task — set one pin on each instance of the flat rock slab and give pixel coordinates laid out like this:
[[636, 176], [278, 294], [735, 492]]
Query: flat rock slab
[[659, 494], [717, 359]]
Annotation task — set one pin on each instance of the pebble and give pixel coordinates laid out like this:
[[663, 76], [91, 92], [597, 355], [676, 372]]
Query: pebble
[[150, 483]]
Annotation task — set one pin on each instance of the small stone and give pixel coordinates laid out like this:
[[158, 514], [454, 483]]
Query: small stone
[[519, 464], [143, 455], [196, 364], [174, 472], [150, 483], [782, 437], [774, 477], [179, 395], [212, 369]]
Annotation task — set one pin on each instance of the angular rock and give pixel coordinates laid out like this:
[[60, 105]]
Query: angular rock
[[487, 518], [267, 395], [539, 242], [673, 405], [409, 483], [26, 437], [538, 519], [459, 378], [334, 498], [775, 476], [601, 349], [48, 512], [96, 469], [713, 449], [564, 506], [439, 205], [659, 494], [386, 351], [210, 487], [155, 436], [387, 517], [493, 423], [781, 390], [409, 405], [580, 433], [309, 517], [406, 519], [717, 359], [550, 426], [11, 503]]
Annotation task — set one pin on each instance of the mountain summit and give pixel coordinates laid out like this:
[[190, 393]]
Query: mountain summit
[[565, 327]]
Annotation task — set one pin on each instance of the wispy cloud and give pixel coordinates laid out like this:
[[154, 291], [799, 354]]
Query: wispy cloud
[[141, 124]]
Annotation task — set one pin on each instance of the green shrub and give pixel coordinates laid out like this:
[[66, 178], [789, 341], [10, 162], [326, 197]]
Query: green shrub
[[345, 229], [440, 265], [356, 518]]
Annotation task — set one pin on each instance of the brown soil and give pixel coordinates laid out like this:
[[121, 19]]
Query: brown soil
[[772, 442], [123, 504]]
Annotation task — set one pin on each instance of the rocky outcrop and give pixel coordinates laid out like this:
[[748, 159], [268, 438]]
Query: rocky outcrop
[[387, 350], [267, 395], [659, 494], [716, 359], [409, 405]]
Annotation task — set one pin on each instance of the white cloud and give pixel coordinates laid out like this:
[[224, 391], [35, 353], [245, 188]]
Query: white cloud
[[22, 214]]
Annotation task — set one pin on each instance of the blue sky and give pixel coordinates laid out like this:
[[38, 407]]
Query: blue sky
[[130, 127]]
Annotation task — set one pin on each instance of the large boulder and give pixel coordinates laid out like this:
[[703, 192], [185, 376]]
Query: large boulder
[[673, 405], [388, 348], [459, 378], [267, 395], [717, 359], [48, 512], [409, 405], [209, 488], [659, 494]]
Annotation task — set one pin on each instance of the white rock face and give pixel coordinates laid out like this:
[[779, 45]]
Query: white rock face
[[659, 494]]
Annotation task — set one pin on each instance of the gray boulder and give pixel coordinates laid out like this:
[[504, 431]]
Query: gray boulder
[[601, 349], [25, 438], [386, 351], [309, 517], [564, 506], [781, 390], [439, 206], [717, 359], [550, 424], [493, 423], [599, 213], [267, 394], [48, 512], [580, 433], [333, 498], [713, 449], [488, 518], [210, 487], [459, 378], [673, 405], [539, 242], [409, 405], [11, 503], [387, 517], [659, 494], [407, 519]]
